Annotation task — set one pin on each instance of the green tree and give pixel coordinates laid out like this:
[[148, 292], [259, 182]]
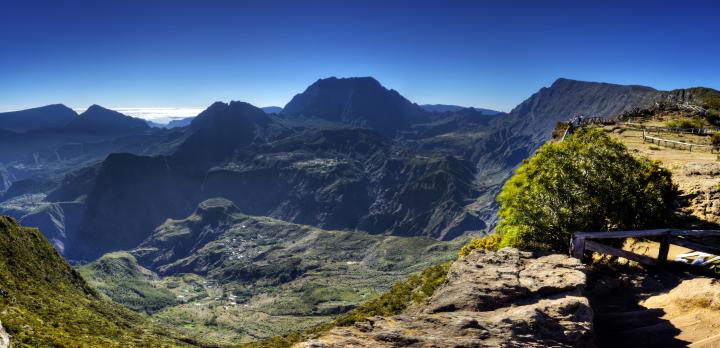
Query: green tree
[[587, 183]]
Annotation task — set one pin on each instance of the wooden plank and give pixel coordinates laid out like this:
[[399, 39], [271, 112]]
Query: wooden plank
[[696, 233], [623, 234], [694, 246], [602, 248]]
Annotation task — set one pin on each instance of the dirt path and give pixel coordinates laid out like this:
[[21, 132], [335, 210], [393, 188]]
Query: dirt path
[[655, 308]]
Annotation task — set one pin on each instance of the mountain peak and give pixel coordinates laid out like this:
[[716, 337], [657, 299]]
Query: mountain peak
[[48, 116], [359, 101], [217, 206], [562, 83], [99, 119], [235, 113]]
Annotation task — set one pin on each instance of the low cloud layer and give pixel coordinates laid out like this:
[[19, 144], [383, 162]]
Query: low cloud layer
[[159, 115]]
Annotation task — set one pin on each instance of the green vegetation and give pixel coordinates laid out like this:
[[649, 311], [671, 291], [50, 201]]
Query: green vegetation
[[414, 289], [45, 303], [258, 277], [119, 276], [490, 242], [710, 98], [715, 139], [587, 183], [685, 123]]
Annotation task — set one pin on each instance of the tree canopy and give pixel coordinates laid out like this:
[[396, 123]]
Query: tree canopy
[[588, 182]]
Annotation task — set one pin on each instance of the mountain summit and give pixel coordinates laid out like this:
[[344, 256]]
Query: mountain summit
[[99, 119], [49, 116], [358, 101]]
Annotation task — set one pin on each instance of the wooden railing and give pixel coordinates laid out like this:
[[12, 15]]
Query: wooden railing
[[695, 131], [678, 144], [590, 241]]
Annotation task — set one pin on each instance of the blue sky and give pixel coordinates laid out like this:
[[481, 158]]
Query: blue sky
[[187, 54]]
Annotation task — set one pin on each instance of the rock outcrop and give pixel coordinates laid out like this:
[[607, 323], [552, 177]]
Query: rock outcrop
[[496, 299], [4, 338], [699, 185]]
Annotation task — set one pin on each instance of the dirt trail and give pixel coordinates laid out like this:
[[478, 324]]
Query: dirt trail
[[655, 308], [693, 307]]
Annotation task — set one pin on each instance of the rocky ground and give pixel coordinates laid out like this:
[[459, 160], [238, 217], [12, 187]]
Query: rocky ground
[[495, 299]]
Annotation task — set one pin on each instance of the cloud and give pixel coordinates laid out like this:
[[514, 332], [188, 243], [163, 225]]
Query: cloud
[[159, 115]]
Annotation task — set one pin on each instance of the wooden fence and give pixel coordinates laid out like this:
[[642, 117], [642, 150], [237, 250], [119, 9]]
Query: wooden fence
[[678, 144], [658, 129], [590, 241]]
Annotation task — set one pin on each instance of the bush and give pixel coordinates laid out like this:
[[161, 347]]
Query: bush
[[715, 139], [685, 123], [587, 183], [489, 242]]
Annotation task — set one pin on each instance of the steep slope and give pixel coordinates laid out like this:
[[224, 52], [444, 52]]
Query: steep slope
[[335, 178], [149, 190], [358, 101], [50, 116], [97, 119], [530, 124], [46, 303]]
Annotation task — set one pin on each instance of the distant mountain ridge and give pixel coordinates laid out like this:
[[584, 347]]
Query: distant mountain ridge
[[99, 119], [344, 154], [272, 109], [455, 108], [50, 116]]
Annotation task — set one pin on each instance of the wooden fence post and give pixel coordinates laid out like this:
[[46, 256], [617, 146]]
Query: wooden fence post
[[578, 247], [664, 249]]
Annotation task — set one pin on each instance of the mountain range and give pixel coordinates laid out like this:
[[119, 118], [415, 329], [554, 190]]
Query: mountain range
[[347, 153], [245, 223]]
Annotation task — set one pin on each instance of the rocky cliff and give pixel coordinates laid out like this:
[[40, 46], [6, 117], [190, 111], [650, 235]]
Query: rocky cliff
[[507, 298]]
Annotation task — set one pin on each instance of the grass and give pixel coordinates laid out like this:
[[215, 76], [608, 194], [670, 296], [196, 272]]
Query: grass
[[685, 123], [413, 290], [260, 277], [119, 276], [46, 303]]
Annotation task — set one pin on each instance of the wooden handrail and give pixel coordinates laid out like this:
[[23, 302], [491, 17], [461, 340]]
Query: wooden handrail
[[582, 241], [688, 145]]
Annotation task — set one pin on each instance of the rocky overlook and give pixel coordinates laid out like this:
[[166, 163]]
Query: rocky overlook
[[506, 298]]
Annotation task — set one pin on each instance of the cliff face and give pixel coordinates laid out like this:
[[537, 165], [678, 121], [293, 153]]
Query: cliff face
[[496, 299]]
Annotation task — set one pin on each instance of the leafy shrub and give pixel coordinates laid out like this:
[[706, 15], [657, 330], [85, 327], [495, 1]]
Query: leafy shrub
[[587, 183], [685, 123], [715, 139], [489, 242]]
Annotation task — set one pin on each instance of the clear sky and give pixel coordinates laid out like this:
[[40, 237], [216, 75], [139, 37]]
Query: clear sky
[[187, 54]]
